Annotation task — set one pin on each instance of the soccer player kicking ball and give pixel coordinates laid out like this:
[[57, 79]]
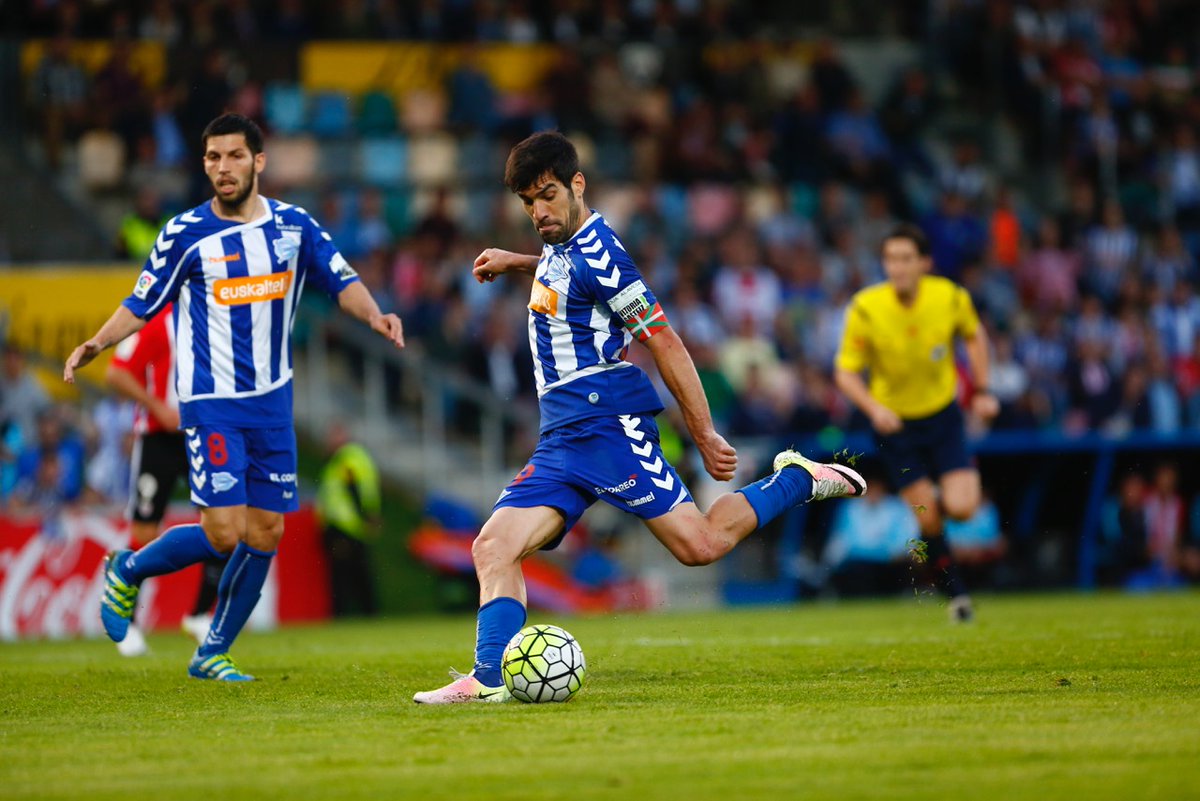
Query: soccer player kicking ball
[[234, 267], [598, 436], [903, 331]]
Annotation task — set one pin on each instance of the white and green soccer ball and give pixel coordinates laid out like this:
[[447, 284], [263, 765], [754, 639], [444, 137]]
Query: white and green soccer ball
[[543, 663]]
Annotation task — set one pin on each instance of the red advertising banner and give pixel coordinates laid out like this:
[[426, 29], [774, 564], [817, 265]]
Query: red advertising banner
[[50, 576]]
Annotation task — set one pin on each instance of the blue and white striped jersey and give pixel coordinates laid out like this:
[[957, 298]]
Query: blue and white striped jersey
[[587, 294], [236, 287]]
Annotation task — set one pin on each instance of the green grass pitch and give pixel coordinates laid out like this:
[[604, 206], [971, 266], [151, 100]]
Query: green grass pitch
[[1045, 697]]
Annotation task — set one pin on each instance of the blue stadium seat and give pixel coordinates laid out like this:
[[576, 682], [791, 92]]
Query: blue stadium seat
[[285, 107], [479, 160], [331, 116], [383, 161], [337, 160]]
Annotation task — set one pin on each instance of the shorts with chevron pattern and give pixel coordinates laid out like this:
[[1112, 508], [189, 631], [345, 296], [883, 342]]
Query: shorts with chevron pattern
[[614, 459]]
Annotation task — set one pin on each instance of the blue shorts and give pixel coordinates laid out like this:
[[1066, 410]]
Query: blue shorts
[[616, 459], [928, 447], [243, 466]]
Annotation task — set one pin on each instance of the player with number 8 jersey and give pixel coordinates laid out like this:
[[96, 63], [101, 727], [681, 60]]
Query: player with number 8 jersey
[[235, 268]]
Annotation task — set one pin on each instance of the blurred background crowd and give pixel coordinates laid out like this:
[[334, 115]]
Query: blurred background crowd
[[751, 156]]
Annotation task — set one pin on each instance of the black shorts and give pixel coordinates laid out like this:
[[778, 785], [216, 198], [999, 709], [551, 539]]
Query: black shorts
[[928, 447], [159, 461]]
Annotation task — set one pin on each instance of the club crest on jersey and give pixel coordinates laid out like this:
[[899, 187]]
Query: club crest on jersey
[[287, 246], [144, 283], [557, 268], [223, 481]]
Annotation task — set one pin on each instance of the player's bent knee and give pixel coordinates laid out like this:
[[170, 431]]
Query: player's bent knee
[[489, 549], [960, 508], [223, 540], [696, 554]]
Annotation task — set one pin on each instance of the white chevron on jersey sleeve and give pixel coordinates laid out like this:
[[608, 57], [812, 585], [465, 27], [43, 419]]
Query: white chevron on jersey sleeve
[[600, 263], [172, 228], [162, 243], [188, 217]]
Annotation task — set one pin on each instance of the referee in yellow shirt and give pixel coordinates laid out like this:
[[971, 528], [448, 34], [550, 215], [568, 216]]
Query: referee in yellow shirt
[[902, 332]]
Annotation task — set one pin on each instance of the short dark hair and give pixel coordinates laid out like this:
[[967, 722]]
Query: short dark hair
[[234, 124], [912, 233], [541, 153]]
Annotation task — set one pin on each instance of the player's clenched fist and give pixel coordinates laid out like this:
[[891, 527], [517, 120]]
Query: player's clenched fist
[[720, 459], [494, 261]]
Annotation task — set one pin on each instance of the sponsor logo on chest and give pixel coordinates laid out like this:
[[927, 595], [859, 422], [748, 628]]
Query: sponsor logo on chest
[[251, 288]]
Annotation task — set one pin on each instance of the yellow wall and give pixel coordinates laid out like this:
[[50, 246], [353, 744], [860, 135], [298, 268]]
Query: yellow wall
[[147, 59], [52, 309], [398, 68]]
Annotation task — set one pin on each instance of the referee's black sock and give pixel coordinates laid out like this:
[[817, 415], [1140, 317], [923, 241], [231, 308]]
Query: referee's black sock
[[209, 579], [945, 569]]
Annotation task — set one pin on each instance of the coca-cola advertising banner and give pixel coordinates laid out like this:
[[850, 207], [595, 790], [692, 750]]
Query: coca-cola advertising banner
[[51, 576]]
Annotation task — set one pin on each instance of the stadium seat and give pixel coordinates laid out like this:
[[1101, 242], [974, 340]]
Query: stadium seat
[[376, 114], [618, 202], [293, 160], [614, 155], [285, 107], [480, 160], [101, 160], [586, 149], [383, 161], [338, 160], [397, 211], [433, 159], [331, 117], [478, 203], [423, 111]]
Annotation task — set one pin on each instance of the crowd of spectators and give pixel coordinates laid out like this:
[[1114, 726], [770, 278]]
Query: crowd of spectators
[[753, 190], [751, 180], [54, 456]]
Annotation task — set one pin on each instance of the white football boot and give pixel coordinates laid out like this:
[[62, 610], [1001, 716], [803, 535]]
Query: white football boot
[[829, 480], [463, 690]]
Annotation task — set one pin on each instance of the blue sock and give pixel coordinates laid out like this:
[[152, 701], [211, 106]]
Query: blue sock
[[499, 620], [178, 547], [237, 595], [772, 496]]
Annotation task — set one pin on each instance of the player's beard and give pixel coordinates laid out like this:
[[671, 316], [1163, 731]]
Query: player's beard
[[574, 217], [233, 206]]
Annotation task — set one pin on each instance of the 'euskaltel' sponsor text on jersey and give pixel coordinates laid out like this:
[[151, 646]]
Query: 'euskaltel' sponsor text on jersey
[[236, 287]]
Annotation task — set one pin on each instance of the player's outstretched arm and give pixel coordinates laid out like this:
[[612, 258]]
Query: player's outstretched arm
[[679, 374], [983, 402], [494, 261], [356, 301], [122, 323]]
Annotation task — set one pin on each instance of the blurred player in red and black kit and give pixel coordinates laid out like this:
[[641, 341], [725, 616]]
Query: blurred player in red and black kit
[[143, 370]]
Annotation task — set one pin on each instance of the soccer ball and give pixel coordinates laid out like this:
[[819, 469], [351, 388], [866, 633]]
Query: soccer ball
[[543, 663]]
